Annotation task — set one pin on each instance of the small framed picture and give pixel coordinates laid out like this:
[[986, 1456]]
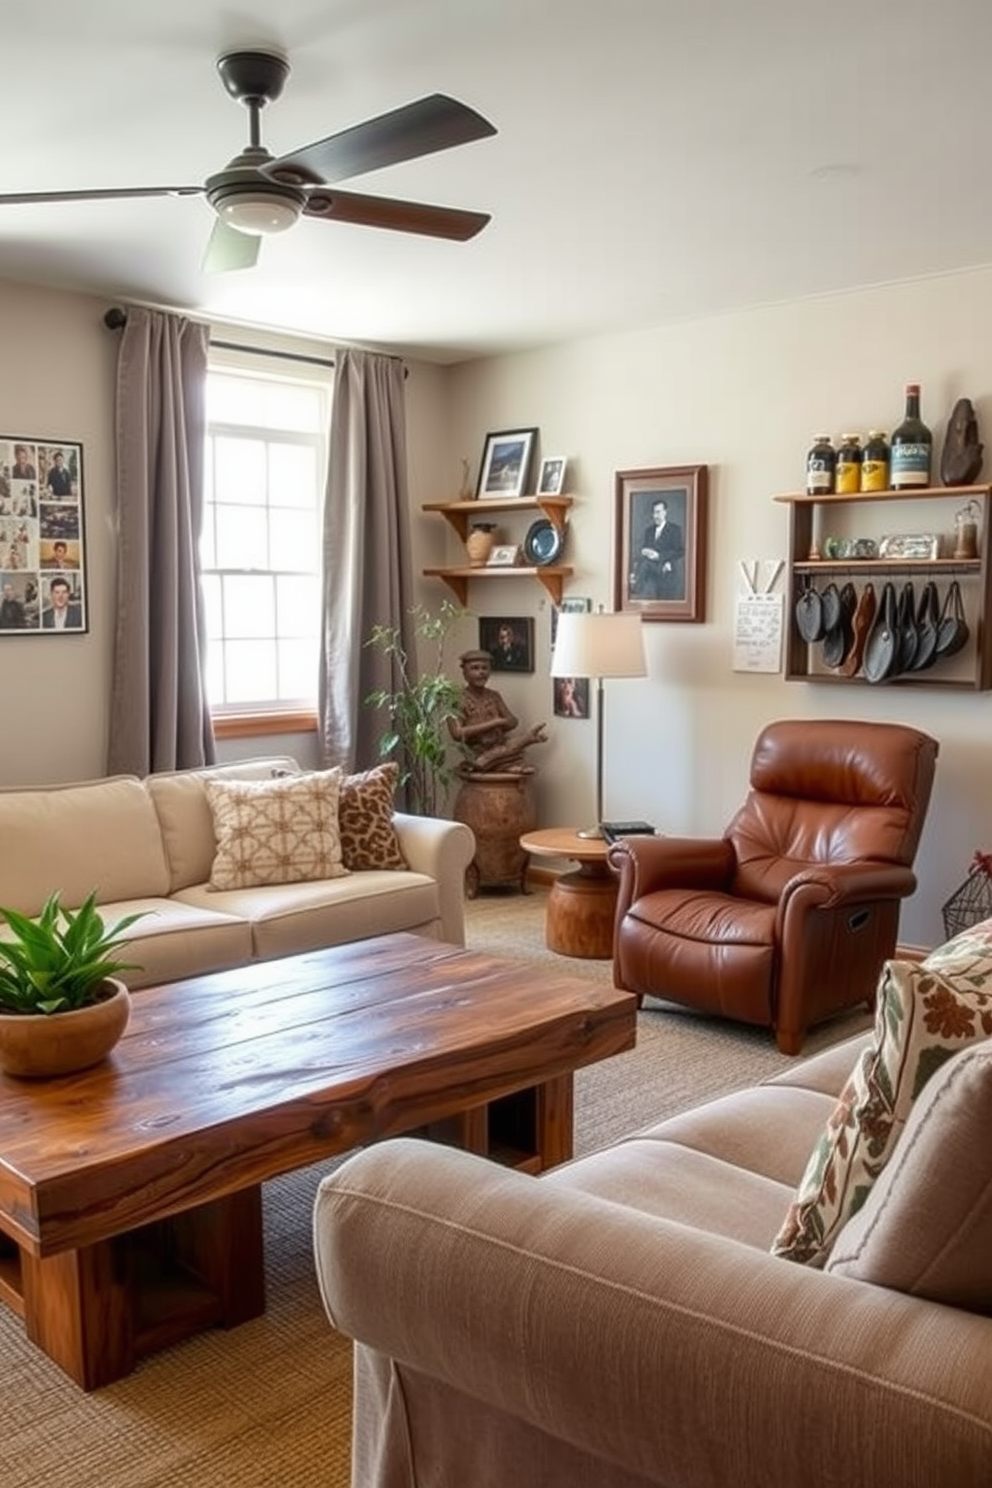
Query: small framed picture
[[509, 641], [572, 604], [571, 697], [660, 543], [506, 459], [551, 481], [504, 555]]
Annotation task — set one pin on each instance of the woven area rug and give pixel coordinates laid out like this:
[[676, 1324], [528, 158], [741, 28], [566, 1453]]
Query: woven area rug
[[269, 1403]]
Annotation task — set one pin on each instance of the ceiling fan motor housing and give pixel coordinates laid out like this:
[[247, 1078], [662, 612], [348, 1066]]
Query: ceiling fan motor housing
[[251, 202]]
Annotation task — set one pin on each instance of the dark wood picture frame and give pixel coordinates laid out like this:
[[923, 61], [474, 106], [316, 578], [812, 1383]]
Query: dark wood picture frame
[[663, 577], [509, 639]]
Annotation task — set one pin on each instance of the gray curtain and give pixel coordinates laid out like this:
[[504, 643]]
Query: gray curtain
[[367, 573], [159, 719]]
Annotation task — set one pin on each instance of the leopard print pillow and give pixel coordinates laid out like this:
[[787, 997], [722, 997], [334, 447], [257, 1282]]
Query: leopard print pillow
[[365, 820]]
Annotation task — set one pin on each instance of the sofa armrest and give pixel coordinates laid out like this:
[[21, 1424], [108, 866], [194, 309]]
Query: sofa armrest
[[681, 1356], [442, 850]]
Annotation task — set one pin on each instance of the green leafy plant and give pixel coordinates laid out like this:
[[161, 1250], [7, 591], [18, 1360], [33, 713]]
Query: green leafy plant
[[58, 962], [419, 708]]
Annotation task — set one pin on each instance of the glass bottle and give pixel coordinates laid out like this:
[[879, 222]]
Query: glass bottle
[[875, 462], [912, 446], [821, 463], [847, 479]]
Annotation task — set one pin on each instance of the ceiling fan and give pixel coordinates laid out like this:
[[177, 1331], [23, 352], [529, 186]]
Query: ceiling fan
[[256, 194]]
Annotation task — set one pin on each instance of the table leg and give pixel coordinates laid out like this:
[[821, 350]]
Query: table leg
[[98, 1309]]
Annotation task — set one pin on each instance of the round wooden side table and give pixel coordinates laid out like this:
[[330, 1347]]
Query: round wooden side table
[[582, 903]]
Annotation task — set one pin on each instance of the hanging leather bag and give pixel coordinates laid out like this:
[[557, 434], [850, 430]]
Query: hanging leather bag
[[809, 613], [952, 631], [927, 620], [906, 627], [861, 626], [840, 637], [881, 648]]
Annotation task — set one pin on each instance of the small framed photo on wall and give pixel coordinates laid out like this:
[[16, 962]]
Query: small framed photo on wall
[[571, 697], [509, 641]]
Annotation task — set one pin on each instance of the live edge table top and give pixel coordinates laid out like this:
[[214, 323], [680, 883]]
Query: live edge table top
[[226, 1080]]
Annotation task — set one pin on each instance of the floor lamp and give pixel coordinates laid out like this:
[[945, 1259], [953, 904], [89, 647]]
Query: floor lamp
[[598, 645]]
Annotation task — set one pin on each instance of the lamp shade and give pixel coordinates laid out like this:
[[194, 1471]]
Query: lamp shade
[[599, 645]]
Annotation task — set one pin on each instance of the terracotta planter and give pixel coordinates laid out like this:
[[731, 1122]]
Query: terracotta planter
[[36, 1045]]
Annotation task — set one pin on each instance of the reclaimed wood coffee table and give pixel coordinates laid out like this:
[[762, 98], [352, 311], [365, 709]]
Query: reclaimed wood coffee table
[[130, 1194]]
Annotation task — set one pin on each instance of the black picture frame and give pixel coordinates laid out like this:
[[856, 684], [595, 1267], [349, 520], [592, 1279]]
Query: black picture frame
[[509, 639], [663, 578], [506, 462], [571, 697], [43, 589]]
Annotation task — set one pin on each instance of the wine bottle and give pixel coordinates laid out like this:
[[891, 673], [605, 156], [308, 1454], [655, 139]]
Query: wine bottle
[[911, 446]]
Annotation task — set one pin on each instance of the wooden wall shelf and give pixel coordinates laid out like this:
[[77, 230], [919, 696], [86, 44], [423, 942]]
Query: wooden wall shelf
[[460, 515]]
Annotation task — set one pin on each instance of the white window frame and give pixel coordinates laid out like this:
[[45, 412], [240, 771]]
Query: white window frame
[[233, 719]]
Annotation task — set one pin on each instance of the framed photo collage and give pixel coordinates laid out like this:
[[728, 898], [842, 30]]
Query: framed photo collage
[[42, 543]]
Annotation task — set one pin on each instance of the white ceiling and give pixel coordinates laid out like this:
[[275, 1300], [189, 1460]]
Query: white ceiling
[[655, 160]]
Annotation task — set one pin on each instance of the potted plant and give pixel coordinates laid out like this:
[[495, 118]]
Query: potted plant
[[419, 706], [62, 1006]]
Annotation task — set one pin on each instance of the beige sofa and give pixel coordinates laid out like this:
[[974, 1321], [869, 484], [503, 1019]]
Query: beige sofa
[[148, 845], [620, 1322]]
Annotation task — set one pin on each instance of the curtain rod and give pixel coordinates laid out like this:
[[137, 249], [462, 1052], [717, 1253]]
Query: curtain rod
[[116, 319]]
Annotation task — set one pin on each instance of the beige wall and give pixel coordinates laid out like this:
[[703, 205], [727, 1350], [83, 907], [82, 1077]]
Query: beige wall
[[742, 394]]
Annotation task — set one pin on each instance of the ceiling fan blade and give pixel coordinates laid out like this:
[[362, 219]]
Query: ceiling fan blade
[[422, 128], [227, 249], [112, 194], [399, 216]]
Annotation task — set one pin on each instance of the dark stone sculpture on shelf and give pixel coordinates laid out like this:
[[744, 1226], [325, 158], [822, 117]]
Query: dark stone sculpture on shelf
[[961, 457]]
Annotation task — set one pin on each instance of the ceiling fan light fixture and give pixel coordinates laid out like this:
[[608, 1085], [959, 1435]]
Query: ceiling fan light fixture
[[258, 212]]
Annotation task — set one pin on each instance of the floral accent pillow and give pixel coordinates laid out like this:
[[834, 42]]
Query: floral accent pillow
[[923, 1016], [275, 831], [365, 818]]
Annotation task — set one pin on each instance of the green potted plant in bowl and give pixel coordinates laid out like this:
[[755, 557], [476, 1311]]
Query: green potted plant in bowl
[[62, 1005], [419, 707]]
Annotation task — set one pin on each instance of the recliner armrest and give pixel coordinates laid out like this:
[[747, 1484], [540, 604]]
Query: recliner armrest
[[832, 886], [646, 864]]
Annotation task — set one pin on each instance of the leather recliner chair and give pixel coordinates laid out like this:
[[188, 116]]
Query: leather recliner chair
[[787, 918]]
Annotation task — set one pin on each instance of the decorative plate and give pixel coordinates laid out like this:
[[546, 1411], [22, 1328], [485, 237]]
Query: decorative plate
[[543, 543]]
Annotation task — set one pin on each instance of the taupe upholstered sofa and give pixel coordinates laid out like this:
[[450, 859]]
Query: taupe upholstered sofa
[[148, 845], [620, 1322]]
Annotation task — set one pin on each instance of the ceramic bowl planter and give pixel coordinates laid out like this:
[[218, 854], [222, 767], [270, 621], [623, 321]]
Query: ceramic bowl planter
[[40, 1045]]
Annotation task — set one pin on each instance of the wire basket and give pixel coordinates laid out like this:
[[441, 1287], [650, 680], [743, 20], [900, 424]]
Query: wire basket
[[971, 902]]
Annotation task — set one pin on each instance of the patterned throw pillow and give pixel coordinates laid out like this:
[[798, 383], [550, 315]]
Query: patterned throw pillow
[[365, 819], [275, 831], [922, 1017]]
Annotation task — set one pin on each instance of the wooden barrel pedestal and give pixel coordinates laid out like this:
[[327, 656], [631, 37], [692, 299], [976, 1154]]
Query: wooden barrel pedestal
[[499, 808]]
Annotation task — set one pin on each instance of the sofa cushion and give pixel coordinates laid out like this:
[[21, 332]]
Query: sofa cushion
[[365, 820], [922, 1018], [286, 919], [185, 818], [275, 831], [98, 834], [178, 940], [926, 1226]]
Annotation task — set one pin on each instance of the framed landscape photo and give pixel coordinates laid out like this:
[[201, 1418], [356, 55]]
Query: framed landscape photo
[[551, 480], [509, 639], [506, 459], [660, 542], [42, 539]]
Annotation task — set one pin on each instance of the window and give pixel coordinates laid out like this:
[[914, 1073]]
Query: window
[[266, 461]]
